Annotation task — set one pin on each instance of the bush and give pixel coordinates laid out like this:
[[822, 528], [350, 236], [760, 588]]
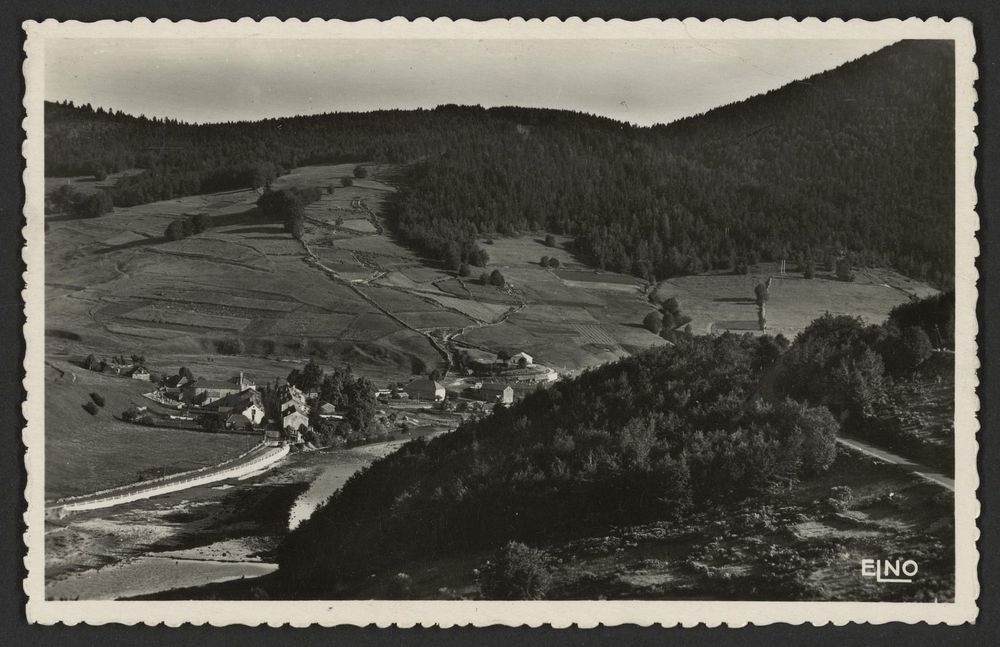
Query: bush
[[175, 230], [360, 172], [347, 181], [516, 572], [98, 399], [544, 262], [464, 269], [497, 279], [653, 322], [554, 263], [200, 222], [841, 497], [90, 408], [550, 240]]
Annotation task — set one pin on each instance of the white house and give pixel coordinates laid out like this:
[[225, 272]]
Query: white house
[[516, 359], [246, 403], [424, 388]]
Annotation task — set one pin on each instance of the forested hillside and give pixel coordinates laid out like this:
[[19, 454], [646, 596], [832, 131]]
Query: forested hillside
[[858, 161]]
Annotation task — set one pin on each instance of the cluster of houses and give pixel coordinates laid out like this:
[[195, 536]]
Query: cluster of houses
[[424, 388], [239, 406], [119, 366]]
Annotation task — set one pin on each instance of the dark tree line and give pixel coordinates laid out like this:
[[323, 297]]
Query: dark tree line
[[856, 163]]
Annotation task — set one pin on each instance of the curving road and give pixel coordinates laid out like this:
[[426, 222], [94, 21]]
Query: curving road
[[928, 473], [258, 458]]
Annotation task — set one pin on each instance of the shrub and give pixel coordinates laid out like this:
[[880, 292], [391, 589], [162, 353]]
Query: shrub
[[347, 181], [516, 572], [175, 230], [90, 408], [841, 497], [544, 262], [550, 240], [497, 279], [554, 263], [360, 172], [200, 222], [653, 322], [98, 399], [229, 346]]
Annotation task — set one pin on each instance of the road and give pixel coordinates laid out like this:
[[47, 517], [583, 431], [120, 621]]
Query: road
[[922, 471], [258, 458]]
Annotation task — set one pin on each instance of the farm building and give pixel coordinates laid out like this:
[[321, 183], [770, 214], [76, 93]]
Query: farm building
[[425, 388], [501, 393], [140, 373], [175, 381], [516, 359], [327, 411], [238, 421], [294, 416], [208, 391], [246, 403], [290, 395], [245, 382]]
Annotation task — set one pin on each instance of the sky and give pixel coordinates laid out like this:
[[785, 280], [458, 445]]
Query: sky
[[638, 81]]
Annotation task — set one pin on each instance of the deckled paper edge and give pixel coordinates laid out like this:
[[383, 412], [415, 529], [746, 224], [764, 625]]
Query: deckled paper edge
[[584, 614]]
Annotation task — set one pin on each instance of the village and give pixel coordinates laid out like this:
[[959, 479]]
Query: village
[[304, 410]]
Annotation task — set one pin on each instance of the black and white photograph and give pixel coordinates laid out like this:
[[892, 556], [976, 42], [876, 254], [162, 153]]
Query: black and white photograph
[[385, 314]]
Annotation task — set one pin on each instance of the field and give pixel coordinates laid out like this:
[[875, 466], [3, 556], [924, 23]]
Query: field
[[721, 302], [85, 453], [350, 292]]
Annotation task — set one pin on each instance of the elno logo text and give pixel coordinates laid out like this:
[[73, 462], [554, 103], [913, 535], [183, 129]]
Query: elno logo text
[[889, 570]]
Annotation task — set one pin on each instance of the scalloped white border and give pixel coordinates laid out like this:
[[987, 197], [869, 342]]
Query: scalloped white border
[[556, 614]]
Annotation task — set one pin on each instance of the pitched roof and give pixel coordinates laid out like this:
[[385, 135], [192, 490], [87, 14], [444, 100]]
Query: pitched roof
[[241, 400], [425, 383], [326, 407], [213, 384], [496, 387]]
